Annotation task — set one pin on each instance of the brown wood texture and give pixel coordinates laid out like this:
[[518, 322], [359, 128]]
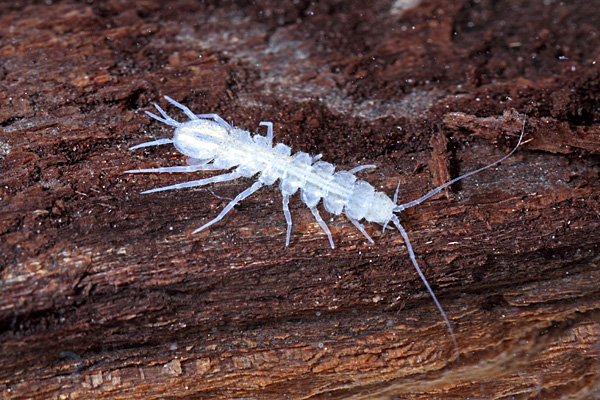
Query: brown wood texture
[[106, 293]]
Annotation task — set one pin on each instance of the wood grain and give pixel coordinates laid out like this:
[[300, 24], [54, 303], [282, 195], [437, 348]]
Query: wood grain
[[105, 293]]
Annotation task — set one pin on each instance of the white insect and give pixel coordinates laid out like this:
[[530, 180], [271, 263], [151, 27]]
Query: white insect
[[212, 144]]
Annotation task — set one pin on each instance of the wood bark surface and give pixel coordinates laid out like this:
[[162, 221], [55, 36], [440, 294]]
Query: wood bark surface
[[106, 293]]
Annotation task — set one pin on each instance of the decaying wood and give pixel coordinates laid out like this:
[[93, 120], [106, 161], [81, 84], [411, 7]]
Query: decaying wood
[[105, 293]]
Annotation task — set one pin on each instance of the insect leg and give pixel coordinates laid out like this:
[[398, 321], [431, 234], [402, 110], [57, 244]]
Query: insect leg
[[219, 178], [361, 228], [196, 161], [288, 218], [186, 110], [257, 185], [153, 143], [411, 254], [361, 167], [187, 168], [269, 126], [216, 117], [322, 224]]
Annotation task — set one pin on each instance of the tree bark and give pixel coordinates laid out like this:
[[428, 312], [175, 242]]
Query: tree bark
[[106, 293]]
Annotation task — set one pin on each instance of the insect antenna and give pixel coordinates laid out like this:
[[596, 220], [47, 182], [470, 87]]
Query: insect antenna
[[411, 253], [438, 189], [167, 120]]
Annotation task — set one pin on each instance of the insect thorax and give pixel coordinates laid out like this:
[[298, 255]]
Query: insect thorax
[[381, 209], [369, 204]]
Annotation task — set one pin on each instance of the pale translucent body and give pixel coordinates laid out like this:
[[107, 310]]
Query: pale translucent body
[[213, 144]]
